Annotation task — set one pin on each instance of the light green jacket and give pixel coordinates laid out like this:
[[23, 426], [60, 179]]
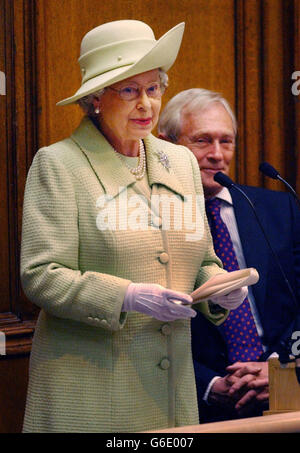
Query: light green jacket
[[94, 368]]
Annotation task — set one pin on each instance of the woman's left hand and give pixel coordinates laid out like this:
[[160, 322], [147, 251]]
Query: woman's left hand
[[231, 300]]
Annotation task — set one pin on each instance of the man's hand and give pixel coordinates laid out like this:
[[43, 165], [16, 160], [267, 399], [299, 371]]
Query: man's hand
[[249, 384], [219, 392], [243, 388]]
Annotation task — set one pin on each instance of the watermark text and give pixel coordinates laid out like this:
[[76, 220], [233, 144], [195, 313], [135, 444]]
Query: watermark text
[[296, 343], [137, 213], [2, 84], [2, 343], [296, 85]]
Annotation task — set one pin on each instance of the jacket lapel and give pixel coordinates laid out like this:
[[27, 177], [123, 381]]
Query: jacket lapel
[[254, 244], [109, 169], [158, 173]]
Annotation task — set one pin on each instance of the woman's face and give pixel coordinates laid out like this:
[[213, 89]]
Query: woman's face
[[130, 120]]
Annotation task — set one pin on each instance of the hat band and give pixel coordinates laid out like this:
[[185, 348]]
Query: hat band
[[107, 58]]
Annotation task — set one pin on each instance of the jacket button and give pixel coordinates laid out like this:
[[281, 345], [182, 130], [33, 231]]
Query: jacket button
[[166, 329], [165, 364], [164, 258]]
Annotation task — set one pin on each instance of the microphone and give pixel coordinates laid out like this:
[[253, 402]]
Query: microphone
[[271, 172], [268, 170], [225, 181]]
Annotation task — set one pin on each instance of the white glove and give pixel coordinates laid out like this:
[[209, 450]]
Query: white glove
[[156, 301], [231, 300]]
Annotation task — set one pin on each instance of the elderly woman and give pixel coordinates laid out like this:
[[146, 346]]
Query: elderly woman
[[109, 265]]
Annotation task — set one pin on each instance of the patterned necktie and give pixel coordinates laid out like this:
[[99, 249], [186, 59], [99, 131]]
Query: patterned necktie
[[239, 328]]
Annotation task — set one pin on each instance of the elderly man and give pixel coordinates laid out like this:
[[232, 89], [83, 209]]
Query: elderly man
[[230, 361]]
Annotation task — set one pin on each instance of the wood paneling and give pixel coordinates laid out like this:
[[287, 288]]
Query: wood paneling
[[248, 103], [13, 385], [17, 131], [264, 102], [277, 96], [5, 101], [271, 424]]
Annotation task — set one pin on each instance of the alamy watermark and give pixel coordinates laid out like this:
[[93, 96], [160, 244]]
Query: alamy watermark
[[137, 213], [2, 84], [296, 344], [2, 343], [296, 85]]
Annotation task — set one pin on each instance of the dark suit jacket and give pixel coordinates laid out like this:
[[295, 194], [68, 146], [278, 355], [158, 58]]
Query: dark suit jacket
[[280, 218]]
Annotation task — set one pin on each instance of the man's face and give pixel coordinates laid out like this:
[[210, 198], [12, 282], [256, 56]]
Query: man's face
[[209, 134]]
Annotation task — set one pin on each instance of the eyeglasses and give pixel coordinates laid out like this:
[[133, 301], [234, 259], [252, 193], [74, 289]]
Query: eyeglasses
[[206, 143], [133, 91]]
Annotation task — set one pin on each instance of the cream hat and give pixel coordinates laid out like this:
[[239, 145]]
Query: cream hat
[[117, 50]]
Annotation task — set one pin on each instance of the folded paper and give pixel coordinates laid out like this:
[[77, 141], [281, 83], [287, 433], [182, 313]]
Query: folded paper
[[222, 284]]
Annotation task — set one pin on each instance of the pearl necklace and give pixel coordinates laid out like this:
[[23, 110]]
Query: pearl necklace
[[139, 171]]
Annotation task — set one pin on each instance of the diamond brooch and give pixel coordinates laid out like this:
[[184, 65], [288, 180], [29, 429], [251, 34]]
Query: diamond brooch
[[163, 159]]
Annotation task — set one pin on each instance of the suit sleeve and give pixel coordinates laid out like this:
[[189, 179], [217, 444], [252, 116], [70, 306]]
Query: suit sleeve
[[296, 245], [50, 273], [209, 353], [295, 221], [203, 376], [292, 270]]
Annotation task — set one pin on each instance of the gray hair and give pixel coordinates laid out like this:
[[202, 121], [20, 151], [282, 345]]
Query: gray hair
[[86, 102], [190, 100]]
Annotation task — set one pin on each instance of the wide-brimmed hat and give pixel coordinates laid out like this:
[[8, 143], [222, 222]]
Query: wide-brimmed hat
[[117, 50]]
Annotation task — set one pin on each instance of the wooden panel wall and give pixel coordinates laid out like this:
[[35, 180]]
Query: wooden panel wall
[[246, 49], [264, 101], [17, 132]]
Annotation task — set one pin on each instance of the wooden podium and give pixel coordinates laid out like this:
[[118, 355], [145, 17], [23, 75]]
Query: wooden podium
[[284, 388], [283, 415], [276, 423]]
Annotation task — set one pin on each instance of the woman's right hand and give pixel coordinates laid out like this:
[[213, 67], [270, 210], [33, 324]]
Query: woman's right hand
[[158, 302]]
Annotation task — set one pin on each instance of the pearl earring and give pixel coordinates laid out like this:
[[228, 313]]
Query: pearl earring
[[97, 111]]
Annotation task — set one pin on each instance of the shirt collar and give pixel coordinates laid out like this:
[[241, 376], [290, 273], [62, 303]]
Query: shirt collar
[[225, 196]]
